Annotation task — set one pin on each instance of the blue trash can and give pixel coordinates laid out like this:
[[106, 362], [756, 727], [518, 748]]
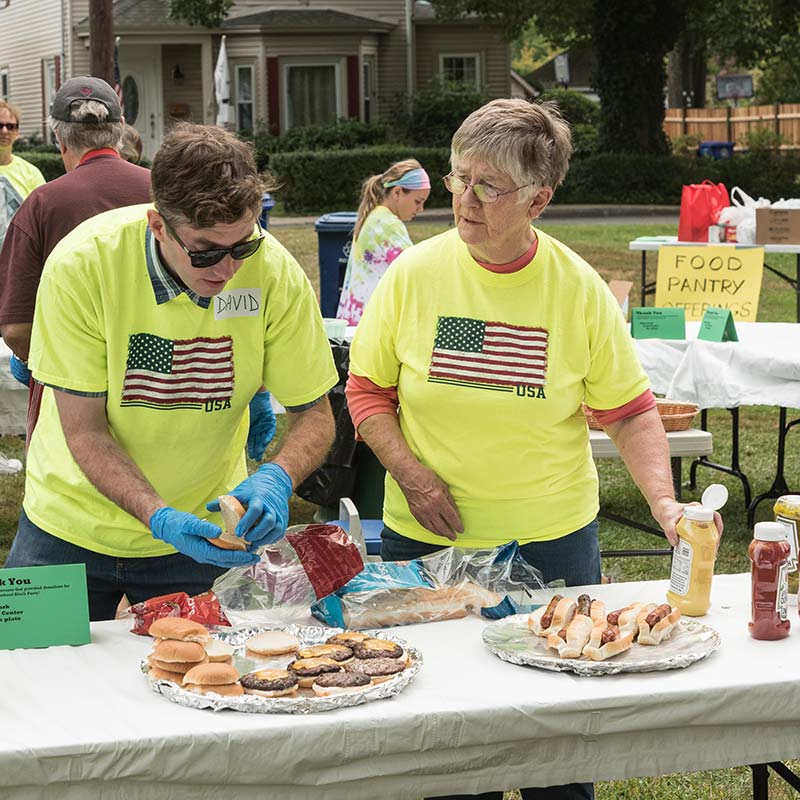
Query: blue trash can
[[334, 235], [267, 204], [715, 150]]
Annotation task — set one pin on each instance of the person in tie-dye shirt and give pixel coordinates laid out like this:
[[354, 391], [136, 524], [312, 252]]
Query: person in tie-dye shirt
[[387, 202]]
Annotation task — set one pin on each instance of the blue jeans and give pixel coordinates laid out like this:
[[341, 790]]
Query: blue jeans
[[108, 578], [575, 558]]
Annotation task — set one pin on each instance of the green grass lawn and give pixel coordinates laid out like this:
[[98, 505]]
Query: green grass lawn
[[606, 248]]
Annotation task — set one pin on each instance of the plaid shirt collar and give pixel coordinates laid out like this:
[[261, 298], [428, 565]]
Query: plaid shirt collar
[[165, 287]]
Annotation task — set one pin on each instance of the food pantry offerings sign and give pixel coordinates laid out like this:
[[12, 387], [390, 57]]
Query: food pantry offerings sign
[[723, 276], [43, 606]]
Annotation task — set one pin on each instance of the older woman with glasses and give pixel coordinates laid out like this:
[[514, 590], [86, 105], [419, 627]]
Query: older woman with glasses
[[472, 360]]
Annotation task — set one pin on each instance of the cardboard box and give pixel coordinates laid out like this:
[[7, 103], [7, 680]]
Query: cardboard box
[[778, 226]]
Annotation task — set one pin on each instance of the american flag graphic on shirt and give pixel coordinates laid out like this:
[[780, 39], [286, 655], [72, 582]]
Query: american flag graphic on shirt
[[177, 373], [488, 355]]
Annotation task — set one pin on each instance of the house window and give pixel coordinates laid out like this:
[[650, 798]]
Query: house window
[[368, 82], [5, 92], [312, 94], [460, 68], [244, 98]]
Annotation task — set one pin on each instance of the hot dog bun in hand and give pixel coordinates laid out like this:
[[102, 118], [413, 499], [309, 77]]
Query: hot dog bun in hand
[[232, 511], [657, 624]]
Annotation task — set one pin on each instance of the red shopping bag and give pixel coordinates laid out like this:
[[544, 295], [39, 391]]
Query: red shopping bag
[[700, 207]]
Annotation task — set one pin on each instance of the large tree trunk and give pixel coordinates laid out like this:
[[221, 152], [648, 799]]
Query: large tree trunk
[[632, 39], [686, 72], [101, 40]]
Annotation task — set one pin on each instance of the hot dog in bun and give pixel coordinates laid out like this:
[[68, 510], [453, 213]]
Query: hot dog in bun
[[657, 624], [570, 640], [607, 641], [556, 615]]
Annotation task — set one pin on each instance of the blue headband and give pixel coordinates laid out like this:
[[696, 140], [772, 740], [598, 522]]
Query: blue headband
[[413, 179]]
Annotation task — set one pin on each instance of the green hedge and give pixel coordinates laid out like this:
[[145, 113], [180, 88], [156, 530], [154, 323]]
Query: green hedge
[[318, 181], [50, 164]]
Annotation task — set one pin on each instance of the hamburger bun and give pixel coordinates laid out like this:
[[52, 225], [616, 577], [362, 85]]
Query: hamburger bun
[[179, 667], [218, 651], [211, 675], [178, 628], [270, 683], [333, 683], [171, 650], [273, 643], [224, 689], [157, 674], [232, 511]]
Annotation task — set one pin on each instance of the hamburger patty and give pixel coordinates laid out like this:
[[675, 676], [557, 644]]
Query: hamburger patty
[[311, 667], [377, 648], [343, 680], [377, 666], [269, 680], [347, 638], [337, 652]]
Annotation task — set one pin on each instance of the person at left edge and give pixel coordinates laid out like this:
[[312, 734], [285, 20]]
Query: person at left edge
[[18, 177], [154, 327]]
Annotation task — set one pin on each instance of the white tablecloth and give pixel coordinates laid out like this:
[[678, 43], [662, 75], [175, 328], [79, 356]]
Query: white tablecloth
[[82, 722], [762, 368]]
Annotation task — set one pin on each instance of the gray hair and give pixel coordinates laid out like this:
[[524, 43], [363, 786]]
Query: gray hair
[[530, 142], [87, 129]]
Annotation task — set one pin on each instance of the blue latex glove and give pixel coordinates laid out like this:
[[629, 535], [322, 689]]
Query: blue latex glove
[[188, 533], [262, 425], [19, 369], [265, 495]]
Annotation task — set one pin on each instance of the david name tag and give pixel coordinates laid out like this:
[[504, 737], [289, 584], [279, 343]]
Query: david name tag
[[237, 303]]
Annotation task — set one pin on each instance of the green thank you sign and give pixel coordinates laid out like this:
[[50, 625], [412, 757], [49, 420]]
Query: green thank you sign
[[658, 323], [43, 606], [717, 326]]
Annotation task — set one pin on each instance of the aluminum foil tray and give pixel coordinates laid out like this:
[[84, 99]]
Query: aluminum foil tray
[[512, 640], [300, 704]]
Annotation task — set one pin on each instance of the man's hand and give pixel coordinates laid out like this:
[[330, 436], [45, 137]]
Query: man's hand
[[265, 495], [188, 534], [262, 425], [430, 501], [19, 369]]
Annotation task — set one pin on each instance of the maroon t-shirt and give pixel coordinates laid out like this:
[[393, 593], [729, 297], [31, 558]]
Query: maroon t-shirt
[[50, 212]]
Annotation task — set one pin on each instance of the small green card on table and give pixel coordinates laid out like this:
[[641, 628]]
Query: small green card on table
[[43, 606], [658, 323], [717, 326]]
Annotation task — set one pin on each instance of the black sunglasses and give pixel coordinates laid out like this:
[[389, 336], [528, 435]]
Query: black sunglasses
[[208, 258], [11, 126]]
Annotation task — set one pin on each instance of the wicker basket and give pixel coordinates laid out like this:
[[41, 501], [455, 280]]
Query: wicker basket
[[674, 416]]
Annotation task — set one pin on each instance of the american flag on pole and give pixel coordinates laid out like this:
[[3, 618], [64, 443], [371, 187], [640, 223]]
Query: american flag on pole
[[488, 355], [177, 373], [117, 81]]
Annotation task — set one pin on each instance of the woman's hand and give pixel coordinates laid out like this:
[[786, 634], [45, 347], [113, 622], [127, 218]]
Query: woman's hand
[[667, 512], [430, 501]]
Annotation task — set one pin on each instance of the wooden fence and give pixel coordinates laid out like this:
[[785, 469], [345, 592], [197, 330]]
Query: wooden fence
[[730, 124]]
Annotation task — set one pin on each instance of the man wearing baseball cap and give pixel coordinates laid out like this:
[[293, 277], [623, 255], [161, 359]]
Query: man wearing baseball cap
[[87, 121]]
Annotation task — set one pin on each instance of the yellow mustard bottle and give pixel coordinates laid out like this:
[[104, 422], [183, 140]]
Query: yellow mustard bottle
[[787, 512], [695, 553]]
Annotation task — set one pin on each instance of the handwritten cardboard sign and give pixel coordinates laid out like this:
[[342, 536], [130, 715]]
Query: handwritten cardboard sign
[[658, 323], [43, 606], [722, 276]]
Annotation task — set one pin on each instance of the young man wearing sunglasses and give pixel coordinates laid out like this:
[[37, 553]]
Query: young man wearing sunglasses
[[154, 327], [18, 177]]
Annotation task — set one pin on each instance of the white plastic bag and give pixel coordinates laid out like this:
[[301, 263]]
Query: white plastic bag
[[742, 214]]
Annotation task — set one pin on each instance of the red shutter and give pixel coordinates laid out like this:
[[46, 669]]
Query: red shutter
[[58, 72], [352, 87], [273, 97]]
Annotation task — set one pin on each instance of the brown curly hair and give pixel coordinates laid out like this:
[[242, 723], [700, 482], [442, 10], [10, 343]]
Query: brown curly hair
[[203, 175]]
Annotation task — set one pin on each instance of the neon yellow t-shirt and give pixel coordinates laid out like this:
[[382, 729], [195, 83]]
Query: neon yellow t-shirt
[[23, 175], [178, 377], [490, 372]]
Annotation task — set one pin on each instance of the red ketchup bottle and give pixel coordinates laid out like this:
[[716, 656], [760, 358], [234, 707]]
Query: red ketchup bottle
[[769, 557]]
